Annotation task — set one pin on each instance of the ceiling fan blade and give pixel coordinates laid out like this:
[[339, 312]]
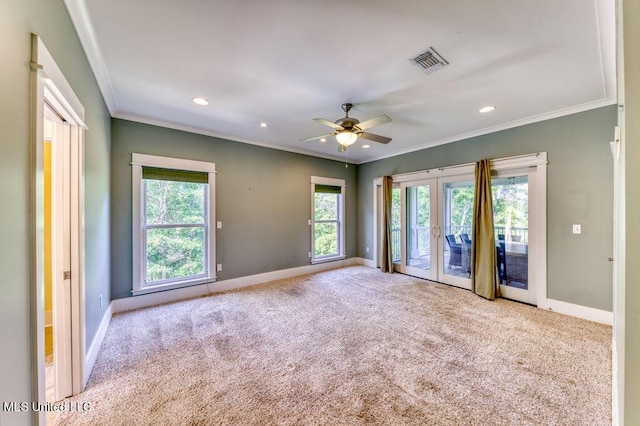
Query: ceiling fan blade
[[374, 122], [329, 123], [375, 138], [316, 137]]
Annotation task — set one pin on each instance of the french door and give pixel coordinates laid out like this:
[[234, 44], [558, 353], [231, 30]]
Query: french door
[[516, 223], [432, 236], [430, 213]]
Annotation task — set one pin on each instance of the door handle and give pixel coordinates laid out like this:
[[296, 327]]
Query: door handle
[[433, 231], [439, 231]]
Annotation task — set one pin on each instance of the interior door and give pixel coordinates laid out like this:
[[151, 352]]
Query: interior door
[[61, 259], [419, 238], [455, 217]]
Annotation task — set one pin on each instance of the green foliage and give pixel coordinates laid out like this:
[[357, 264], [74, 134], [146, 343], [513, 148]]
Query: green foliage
[[326, 234], [462, 205], [424, 204], [326, 206], [326, 239], [174, 253], [169, 202], [510, 204], [177, 251]]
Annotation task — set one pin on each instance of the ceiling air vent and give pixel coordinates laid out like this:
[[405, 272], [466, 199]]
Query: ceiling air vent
[[429, 61]]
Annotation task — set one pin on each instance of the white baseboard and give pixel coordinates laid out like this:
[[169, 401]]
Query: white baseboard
[[94, 348], [250, 280], [584, 312], [152, 299], [366, 262]]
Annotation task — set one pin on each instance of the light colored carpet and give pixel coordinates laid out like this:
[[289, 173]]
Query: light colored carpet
[[349, 346]]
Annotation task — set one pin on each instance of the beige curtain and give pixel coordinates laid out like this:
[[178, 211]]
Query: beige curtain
[[483, 246], [386, 263]]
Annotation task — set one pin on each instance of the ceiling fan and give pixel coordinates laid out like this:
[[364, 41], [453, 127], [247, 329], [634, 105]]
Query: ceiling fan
[[349, 129]]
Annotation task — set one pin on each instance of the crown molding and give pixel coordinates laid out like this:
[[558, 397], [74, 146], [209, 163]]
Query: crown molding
[[82, 22]]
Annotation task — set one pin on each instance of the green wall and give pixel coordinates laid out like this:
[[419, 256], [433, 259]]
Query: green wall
[[48, 19], [263, 198], [579, 190]]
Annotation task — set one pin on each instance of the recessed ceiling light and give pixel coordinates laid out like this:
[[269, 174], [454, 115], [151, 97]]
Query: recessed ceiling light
[[200, 101], [488, 108], [323, 140], [366, 146], [263, 124]]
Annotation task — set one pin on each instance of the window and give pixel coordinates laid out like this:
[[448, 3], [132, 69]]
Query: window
[[173, 217], [327, 224]]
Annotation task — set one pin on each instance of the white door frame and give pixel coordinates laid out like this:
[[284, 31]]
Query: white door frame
[[48, 82]]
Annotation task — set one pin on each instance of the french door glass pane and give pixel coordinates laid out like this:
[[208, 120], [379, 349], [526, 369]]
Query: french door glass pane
[[456, 226], [511, 222], [396, 223], [326, 239], [174, 253], [418, 226]]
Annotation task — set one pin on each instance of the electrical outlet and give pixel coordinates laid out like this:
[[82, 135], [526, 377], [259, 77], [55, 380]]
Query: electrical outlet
[[101, 301], [577, 229], [309, 255], [367, 249], [219, 225], [219, 267]]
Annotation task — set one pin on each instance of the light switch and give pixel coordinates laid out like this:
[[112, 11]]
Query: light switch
[[577, 229], [219, 225]]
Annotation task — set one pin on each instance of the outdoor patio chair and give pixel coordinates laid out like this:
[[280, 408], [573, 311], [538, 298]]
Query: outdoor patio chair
[[501, 260], [455, 251]]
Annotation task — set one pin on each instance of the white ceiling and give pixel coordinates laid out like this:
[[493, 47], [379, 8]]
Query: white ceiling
[[285, 62]]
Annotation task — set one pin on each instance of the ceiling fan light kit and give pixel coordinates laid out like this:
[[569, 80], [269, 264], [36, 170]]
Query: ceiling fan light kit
[[346, 137], [349, 129]]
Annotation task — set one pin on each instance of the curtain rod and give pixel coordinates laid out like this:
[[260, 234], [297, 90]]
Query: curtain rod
[[537, 154]]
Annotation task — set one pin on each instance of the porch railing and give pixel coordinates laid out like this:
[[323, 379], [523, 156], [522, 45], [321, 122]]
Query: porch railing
[[422, 237]]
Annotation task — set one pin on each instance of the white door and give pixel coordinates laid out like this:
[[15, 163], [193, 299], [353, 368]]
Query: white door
[[61, 254], [516, 227], [418, 241], [455, 217]]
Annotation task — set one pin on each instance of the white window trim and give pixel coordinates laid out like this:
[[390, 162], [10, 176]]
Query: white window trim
[[316, 180], [144, 160]]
